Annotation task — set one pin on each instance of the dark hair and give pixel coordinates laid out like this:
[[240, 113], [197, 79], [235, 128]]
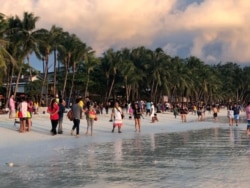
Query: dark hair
[[23, 98], [52, 103], [78, 100]]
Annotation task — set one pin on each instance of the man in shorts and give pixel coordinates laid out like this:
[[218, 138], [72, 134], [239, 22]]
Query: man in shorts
[[236, 110]]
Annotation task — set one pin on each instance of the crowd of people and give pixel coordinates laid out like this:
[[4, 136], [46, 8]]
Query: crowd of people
[[24, 109]]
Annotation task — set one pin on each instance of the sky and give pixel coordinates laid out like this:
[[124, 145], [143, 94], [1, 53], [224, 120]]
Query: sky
[[216, 31]]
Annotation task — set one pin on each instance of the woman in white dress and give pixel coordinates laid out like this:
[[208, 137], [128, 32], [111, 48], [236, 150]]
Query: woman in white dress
[[117, 115]]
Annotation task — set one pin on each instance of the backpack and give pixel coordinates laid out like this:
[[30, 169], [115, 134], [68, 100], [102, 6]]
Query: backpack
[[70, 115]]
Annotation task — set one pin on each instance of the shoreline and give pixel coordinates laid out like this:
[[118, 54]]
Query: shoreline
[[102, 128]]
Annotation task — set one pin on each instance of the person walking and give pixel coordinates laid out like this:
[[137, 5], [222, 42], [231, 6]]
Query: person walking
[[230, 115], [106, 106], [137, 112], [215, 113], [60, 113], [236, 110], [175, 111], [152, 111], [77, 110], [53, 110], [117, 115], [183, 112], [148, 108], [248, 118], [12, 107], [30, 112], [90, 121]]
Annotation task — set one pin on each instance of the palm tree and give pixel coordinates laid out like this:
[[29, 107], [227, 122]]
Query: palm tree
[[139, 57], [90, 63], [48, 41], [158, 72], [111, 59], [65, 53], [3, 43], [26, 35]]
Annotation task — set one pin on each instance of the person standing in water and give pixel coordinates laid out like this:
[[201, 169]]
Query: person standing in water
[[137, 116], [91, 118], [117, 115]]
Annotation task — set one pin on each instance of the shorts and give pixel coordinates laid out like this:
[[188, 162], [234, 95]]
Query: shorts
[[117, 124], [215, 115], [148, 111], [236, 116], [137, 116], [23, 119]]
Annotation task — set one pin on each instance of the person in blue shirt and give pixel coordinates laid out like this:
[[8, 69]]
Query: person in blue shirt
[[148, 108]]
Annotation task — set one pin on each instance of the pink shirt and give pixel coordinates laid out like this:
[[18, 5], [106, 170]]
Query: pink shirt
[[12, 104], [248, 112]]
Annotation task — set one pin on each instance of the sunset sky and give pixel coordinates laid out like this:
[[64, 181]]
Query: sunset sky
[[212, 30]]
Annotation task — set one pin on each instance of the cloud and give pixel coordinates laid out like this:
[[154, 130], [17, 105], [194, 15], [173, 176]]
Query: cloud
[[215, 31]]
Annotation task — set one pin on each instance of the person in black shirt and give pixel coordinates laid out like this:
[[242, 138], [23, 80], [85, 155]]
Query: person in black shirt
[[236, 110], [137, 116], [61, 112]]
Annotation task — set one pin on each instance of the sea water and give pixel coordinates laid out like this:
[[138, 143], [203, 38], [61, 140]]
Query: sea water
[[215, 157]]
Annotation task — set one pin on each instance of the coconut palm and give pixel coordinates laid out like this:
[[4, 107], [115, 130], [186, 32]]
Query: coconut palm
[[48, 41], [111, 59], [68, 47]]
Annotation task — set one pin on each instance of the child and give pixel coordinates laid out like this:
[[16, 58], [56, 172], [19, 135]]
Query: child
[[90, 121], [154, 118], [230, 115], [175, 111], [130, 111]]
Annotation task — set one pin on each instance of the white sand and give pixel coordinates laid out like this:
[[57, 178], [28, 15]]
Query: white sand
[[41, 127]]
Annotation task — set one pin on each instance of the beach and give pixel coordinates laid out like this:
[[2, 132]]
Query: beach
[[107, 159]]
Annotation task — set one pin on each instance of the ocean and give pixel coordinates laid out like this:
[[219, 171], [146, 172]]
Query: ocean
[[213, 157]]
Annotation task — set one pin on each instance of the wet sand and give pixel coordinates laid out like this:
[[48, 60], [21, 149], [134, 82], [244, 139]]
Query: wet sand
[[167, 153]]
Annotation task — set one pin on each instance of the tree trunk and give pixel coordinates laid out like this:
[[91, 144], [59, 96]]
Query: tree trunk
[[45, 75], [9, 87], [66, 76], [87, 85], [54, 80], [17, 80], [72, 81], [111, 87]]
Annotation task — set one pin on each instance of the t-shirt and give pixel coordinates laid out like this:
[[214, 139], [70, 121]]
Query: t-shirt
[[137, 113], [248, 112], [23, 108], [52, 111], [77, 111], [148, 105], [61, 110], [12, 104], [236, 110]]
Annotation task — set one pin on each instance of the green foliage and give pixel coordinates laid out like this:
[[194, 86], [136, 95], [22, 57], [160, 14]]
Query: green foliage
[[137, 73]]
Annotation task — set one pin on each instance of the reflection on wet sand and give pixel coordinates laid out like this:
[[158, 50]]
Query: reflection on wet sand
[[201, 158]]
